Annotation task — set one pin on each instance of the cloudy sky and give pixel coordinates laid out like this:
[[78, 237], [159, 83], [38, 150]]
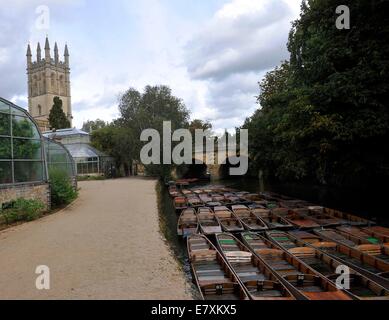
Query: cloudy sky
[[212, 53]]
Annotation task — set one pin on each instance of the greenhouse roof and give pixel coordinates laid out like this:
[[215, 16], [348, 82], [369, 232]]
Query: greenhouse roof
[[66, 132], [84, 150]]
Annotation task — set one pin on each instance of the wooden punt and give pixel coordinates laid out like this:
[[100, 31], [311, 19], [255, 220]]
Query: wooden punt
[[345, 218], [334, 235], [363, 263], [211, 273], [256, 277], [293, 204], [248, 219], [208, 223], [180, 203], [186, 192], [322, 218], [272, 221], [297, 218], [379, 230], [302, 281], [187, 223], [360, 286], [205, 198], [194, 201], [231, 198], [252, 197], [217, 197], [228, 221], [381, 236], [358, 236]]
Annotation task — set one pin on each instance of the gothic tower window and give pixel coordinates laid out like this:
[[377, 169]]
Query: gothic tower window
[[39, 109]]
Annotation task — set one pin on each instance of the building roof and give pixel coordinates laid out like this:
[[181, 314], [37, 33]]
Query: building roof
[[84, 150], [66, 132]]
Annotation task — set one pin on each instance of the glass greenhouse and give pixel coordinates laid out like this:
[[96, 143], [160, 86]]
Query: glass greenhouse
[[22, 157], [59, 158], [88, 160]]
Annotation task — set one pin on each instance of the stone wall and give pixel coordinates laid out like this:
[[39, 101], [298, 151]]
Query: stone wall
[[39, 191]]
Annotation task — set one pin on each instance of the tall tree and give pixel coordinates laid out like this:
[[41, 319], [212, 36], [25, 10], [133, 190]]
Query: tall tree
[[92, 125], [57, 117], [324, 116], [140, 111]]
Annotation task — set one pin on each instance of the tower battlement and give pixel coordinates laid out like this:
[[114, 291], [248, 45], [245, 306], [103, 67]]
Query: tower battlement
[[48, 77]]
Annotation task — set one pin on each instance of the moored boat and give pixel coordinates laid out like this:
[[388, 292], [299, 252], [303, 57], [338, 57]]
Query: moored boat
[[302, 281], [187, 223], [359, 286], [272, 221], [228, 221], [358, 236], [322, 218], [249, 220], [256, 277], [297, 218], [180, 203], [363, 263], [208, 223], [212, 274], [194, 201], [372, 231]]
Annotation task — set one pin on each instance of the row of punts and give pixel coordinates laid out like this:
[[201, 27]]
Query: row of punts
[[270, 247]]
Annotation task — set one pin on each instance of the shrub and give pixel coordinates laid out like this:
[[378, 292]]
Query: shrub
[[24, 210], [62, 190]]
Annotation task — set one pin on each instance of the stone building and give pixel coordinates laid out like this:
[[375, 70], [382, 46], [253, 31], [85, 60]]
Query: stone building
[[48, 77]]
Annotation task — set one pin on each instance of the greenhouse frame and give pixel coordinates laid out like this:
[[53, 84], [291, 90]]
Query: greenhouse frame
[[22, 155]]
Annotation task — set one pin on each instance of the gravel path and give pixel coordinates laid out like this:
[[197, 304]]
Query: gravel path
[[106, 245]]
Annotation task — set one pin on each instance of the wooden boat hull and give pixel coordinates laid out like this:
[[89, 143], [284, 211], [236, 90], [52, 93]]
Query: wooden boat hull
[[360, 287], [303, 282], [211, 273], [187, 223], [365, 264], [249, 220], [272, 221], [256, 278], [208, 224]]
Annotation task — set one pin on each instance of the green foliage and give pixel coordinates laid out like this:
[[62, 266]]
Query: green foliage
[[57, 117], [140, 111], [24, 210], [90, 125], [62, 190], [324, 115]]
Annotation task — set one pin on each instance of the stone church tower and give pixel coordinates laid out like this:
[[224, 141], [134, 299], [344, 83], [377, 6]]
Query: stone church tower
[[48, 78]]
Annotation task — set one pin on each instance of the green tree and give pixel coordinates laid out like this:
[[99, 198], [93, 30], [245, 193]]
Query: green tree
[[324, 115], [57, 117], [92, 125], [140, 111]]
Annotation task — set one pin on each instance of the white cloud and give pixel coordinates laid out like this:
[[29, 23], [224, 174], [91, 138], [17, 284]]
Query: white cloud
[[213, 63], [233, 51]]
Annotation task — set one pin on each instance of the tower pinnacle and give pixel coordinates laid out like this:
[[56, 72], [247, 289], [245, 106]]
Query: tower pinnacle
[[38, 53], [56, 55], [47, 50]]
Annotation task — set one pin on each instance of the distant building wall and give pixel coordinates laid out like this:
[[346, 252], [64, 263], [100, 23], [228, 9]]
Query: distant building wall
[[38, 191]]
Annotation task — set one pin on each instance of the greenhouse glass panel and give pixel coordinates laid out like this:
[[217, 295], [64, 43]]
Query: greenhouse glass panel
[[4, 107], [5, 148], [27, 149], [5, 124], [24, 128], [28, 171], [58, 158], [5, 172]]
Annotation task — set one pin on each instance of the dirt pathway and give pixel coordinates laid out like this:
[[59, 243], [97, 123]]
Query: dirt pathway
[[107, 245]]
